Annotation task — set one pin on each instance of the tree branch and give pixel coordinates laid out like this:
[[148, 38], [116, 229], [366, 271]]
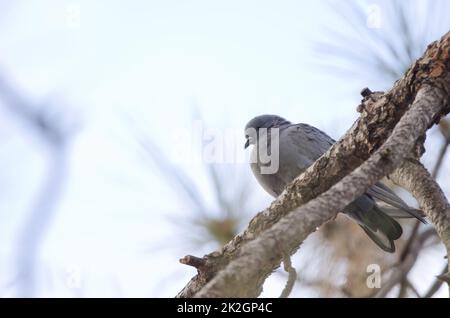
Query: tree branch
[[252, 255], [417, 180], [413, 237], [244, 276]]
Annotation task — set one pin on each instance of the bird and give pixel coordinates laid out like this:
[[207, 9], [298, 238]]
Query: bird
[[300, 145]]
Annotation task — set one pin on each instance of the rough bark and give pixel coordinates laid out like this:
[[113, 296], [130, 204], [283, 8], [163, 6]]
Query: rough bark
[[412, 176], [241, 266], [244, 276]]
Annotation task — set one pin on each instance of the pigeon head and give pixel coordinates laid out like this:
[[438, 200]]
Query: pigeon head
[[264, 121]]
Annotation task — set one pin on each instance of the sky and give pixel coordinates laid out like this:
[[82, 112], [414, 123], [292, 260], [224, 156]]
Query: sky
[[147, 68]]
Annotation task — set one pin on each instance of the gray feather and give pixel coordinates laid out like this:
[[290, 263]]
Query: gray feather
[[381, 192], [299, 146]]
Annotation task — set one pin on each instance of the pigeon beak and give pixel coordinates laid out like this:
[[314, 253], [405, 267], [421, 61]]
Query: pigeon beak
[[247, 143]]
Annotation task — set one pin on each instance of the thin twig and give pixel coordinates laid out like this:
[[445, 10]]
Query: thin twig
[[292, 277], [193, 261], [401, 271], [57, 133]]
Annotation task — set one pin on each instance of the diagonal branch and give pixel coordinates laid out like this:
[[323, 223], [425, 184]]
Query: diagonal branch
[[406, 261], [244, 276], [379, 115], [416, 179]]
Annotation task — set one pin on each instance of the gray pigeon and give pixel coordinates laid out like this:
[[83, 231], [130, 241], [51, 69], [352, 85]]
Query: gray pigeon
[[299, 146]]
